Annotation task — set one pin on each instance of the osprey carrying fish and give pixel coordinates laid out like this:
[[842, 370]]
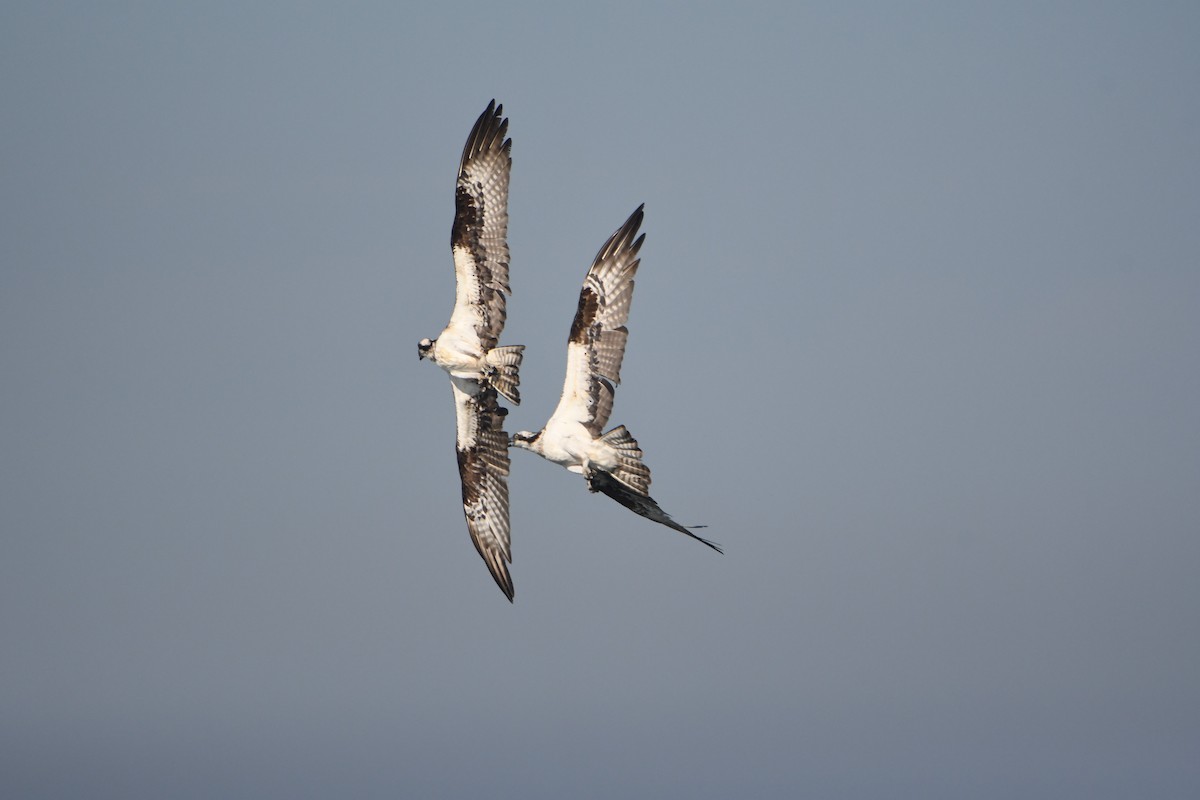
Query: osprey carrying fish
[[610, 462]]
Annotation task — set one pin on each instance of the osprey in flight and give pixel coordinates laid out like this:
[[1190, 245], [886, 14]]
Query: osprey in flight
[[468, 347], [610, 462]]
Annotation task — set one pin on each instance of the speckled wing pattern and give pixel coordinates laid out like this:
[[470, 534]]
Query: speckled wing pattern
[[483, 465], [479, 242], [596, 344], [479, 237]]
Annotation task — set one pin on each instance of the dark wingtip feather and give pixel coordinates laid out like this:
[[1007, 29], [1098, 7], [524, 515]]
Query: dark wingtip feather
[[505, 585], [487, 133], [502, 578], [623, 236], [713, 545], [494, 560], [642, 505]]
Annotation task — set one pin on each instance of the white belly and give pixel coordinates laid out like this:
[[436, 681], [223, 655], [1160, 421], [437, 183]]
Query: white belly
[[571, 445], [458, 356]]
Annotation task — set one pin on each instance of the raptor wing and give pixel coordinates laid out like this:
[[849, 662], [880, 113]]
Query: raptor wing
[[479, 236], [596, 344], [483, 464]]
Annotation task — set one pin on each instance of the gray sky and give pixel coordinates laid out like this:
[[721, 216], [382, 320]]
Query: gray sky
[[916, 333]]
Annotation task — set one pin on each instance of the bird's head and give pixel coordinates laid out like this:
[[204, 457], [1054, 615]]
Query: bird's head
[[423, 348], [524, 439]]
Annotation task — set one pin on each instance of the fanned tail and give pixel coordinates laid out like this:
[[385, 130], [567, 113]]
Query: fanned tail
[[504, 370], [631, 470]]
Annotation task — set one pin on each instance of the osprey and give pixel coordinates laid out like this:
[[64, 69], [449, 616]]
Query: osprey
[[468, 347], [610, 462]]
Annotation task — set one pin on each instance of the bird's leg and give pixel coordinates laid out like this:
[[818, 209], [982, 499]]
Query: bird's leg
[[589, 473]]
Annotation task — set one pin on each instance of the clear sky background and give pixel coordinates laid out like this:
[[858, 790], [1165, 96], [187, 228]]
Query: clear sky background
[[916, 333]]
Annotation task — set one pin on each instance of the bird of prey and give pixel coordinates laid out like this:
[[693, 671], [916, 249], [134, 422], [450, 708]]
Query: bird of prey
[[610, 462], [468, 348]]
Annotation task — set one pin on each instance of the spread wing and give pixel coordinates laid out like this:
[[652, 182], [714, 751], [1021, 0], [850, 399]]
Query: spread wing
[[596, 345], [483, 466], [600, 481], [479, 238]]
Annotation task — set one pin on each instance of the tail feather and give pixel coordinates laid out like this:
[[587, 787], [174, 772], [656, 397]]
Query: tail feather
[[504, 370], [631, 470]]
